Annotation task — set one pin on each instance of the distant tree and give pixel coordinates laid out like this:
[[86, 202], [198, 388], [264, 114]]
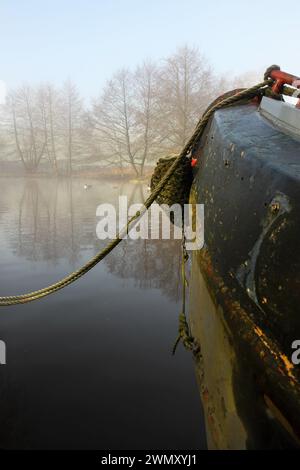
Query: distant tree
[[114, 120], [25, 124], [185, 91], [147, 113], [4, 138], [49, 102], [71, 122]]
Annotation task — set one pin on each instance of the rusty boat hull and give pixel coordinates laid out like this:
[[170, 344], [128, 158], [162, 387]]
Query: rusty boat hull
[[245, 282]]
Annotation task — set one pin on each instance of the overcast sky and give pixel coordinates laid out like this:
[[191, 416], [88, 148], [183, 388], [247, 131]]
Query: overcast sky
[[87, 40]]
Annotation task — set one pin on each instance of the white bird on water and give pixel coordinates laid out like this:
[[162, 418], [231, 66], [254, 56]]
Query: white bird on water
[[87, 186]]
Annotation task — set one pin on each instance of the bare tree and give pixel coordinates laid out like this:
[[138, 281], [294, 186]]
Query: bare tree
[[114, 119], [47, 122], [25, 124], [147, 113], [126, 117], [71, 122], [185, 91], [49, 106]]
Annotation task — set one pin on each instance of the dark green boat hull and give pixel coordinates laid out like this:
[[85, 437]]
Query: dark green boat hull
[[247, 316]]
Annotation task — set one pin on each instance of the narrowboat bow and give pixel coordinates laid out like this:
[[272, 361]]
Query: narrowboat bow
[[245, 282]]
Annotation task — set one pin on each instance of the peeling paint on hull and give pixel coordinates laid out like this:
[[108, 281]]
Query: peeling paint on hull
[[245, 283]]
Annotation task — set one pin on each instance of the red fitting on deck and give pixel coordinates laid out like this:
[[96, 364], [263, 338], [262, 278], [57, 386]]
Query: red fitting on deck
[[282, 78]]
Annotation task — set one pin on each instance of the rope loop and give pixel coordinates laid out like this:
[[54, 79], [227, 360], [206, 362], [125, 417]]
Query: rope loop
[[184, 333]]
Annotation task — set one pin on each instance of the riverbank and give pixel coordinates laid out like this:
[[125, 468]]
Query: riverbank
[[125, 174]]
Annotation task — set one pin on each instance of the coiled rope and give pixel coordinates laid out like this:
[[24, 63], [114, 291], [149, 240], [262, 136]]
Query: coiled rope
[[244, 95]]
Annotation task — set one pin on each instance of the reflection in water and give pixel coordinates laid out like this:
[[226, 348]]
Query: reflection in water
[[78, 375], [152, 263], [48, 225], [54, 222]]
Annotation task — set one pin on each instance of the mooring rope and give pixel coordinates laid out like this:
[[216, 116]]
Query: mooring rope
[[246, 94], [184, 332]]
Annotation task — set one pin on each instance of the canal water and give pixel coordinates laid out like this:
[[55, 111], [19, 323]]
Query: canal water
[[90, 367]]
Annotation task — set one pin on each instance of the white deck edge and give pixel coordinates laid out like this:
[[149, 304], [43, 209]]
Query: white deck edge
[[283, 115]]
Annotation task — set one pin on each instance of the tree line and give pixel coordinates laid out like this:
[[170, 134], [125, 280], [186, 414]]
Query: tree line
[[138, 116]]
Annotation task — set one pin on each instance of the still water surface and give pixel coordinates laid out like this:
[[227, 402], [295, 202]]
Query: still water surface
[[90, 366]]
